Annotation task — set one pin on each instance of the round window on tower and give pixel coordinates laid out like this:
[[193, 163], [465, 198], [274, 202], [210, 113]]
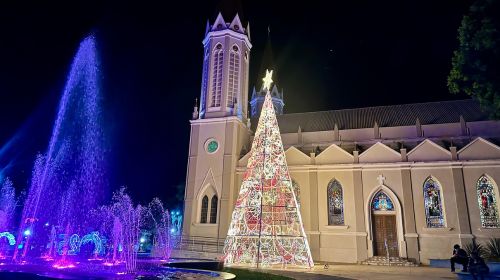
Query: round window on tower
[[211, 146], [219, 26], [236, 27], [235, 48], [219, 46]]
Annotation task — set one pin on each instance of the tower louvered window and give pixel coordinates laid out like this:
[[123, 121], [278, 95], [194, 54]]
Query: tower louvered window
[[217, 76], [234, 76]]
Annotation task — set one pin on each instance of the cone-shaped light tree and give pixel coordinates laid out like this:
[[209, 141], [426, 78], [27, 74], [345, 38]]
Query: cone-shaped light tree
[[266, 228]]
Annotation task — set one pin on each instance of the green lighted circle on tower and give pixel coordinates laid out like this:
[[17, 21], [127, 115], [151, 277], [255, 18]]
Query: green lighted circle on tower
[[212, 146]]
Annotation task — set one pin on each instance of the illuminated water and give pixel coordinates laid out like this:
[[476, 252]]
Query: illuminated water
[[66, 224], [68, 181]]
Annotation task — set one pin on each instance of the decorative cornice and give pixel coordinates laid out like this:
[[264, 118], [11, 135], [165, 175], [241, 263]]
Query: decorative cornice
[[227, 32]]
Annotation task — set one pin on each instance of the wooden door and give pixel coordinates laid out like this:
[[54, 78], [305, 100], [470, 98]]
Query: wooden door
[[385, 235]]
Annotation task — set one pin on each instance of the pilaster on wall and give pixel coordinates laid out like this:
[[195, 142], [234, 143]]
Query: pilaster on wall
[[461, 208], [236, 133], [411, 236], [359, 225], [314, 243]]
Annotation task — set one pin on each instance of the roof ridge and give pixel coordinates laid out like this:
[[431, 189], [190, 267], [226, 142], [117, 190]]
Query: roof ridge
[[380, 106]]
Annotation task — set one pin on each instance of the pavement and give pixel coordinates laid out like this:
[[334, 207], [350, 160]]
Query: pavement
[[353, 271]]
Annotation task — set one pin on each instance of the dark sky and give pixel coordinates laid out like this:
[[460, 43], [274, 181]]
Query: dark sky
[[343, 54]]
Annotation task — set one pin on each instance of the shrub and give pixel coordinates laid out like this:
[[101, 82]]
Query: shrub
[[493, 249], [475, 247]]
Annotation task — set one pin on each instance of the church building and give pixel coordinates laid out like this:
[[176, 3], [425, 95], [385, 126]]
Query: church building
[[405, 181]]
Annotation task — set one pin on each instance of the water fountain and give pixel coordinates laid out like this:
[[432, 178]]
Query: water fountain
[[65, 225], [68, 181], [7, 212], [160, 223]]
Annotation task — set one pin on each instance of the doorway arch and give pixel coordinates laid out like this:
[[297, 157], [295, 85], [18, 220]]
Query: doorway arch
[[388, 217]]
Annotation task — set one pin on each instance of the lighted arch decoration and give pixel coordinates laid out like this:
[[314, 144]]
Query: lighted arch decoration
[[9, 236], [75, 243], [93, 237], [382, 202], [434, 214], [487, 200]]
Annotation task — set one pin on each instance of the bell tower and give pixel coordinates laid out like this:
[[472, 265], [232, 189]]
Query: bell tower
[[224, 89], [219, 131]]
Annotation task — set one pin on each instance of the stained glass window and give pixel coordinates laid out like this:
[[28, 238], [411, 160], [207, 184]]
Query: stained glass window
[[487, 200], [433, 204], [213, 209], [296, 191], [204, 210], [335, 203], [382, 202]]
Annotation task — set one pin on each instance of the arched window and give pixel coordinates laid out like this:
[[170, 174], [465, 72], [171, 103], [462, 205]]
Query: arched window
[[217, 76], [487, 200], [234, 76], [433, 204], [296, 191], [204, 210], [213, 209], [335, 203], [382, 202]]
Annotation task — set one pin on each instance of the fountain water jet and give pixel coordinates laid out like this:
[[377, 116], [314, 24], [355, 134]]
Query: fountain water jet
[[68, 181], [160, 222]]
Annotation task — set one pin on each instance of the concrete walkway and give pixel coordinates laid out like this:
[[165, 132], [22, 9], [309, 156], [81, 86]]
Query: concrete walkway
[[346, 271]]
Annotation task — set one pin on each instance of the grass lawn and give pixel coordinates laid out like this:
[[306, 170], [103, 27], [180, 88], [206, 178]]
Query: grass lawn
[[243, 274]]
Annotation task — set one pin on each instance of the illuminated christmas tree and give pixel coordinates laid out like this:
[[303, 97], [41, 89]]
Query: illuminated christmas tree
[[266, 228]]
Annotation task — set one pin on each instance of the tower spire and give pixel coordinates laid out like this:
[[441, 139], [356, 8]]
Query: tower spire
[[195, 109]]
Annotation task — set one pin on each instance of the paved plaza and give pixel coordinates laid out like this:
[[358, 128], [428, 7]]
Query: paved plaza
[[347, 271]]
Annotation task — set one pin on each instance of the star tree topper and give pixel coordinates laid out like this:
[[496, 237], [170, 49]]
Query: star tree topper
[[268, 79]]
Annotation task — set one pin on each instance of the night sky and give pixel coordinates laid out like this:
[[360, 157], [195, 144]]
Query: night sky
[[343, 54]]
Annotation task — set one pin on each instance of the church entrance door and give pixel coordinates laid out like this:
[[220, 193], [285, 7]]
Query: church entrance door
[[386, 238]]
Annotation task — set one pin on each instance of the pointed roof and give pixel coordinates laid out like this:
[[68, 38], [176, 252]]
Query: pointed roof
[[219, 23], [236, 25], [267, 61], [207, 28]]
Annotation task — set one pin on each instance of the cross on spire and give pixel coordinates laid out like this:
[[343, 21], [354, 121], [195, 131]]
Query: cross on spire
[[381, 179]]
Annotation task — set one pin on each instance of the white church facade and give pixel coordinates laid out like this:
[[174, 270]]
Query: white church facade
[[405, 180]]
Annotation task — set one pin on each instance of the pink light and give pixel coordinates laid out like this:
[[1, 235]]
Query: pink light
[[108, 264], [63, 265], [120, 273], [47, 258]]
